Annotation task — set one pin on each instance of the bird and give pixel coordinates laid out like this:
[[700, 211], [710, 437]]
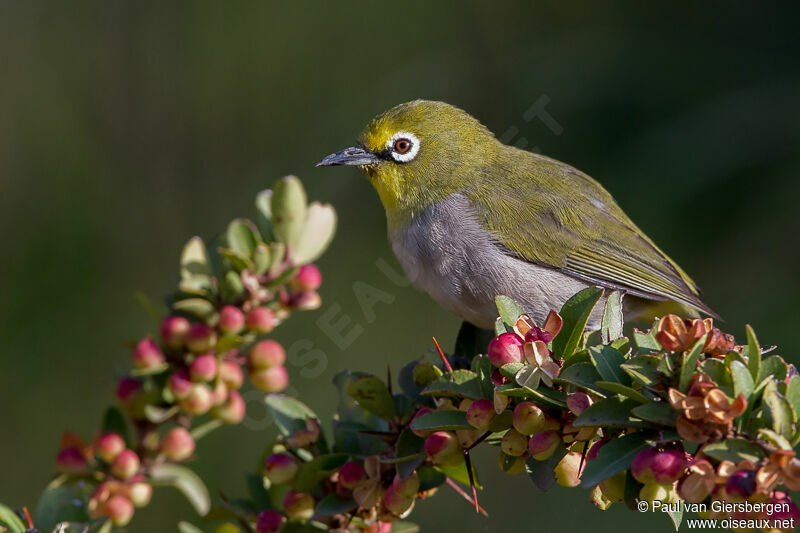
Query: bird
[[470, 218]]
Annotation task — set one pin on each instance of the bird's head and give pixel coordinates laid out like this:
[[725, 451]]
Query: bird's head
[[412, 154]]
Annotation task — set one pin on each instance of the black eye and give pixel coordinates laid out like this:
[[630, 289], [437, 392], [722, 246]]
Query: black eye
[[402, 146]]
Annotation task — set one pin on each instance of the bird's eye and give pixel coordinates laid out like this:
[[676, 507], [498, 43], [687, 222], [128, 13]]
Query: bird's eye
[[402, 146]]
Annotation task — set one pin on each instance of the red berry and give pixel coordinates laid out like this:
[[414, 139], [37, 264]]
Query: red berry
[[298, 505], [269, 521], [305, 301], [71, 461], [232, 411], [199, 400], [128, 389], [543, 444], [231, 374], [395, 502], [641, 466], [741, 484], [668, 466], [505, 348], [443, 448], [180, 385]]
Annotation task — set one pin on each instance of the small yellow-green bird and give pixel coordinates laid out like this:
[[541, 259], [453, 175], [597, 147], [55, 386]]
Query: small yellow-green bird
[[470, 218]]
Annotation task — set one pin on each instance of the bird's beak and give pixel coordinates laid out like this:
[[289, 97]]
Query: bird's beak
[[350, 156]]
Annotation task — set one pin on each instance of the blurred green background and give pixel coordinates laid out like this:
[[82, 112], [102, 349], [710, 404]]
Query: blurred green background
[[125, 128]]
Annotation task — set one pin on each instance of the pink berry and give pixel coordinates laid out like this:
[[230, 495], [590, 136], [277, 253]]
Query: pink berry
[[128, 389], [421, 432], [180, 385], [261, 320], [307, 278], [231, 374], [528, 418], [178, 444], [126, 464], [147, 354], [395, 502], [140, 493], [298, 505], [641, 466], [231, 319], [480, 414], [71, 461], [174, 330], [543, 444], [269, 380], [443, 448], [119, 509], [109, 446], [305, 301], [408, 486], [232, 411], [266, 353], [741, 484], [506, 348], [514, 443], [668, 466], [203, 368], [351, 474], [200, 338], [280, 468], [199, 401]]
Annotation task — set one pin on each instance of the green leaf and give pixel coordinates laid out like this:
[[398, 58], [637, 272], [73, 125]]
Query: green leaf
[[460, 383], [735, 450], [186, 481], [317, 233], [689, 363], [753, 353], [412, 447], [509, 370], [611, 412], [793, 394], [646, 341], [261, 259], [9, 519], [194, 259], [660, 413], [114, 422], [542, 473], [242, 237], [459, 473], [778, 411], [289, 210], [238, 261], [774, 438], [333, 504], [373, 395], [676, 515], [158, 414], [742, 380], [499, 327], [401, 526], [264, 218], [502, 422], [582, 375], [198, 307], [773, 365], [187, 527], [509, 311], [618, 388], [258, 491], [643, 368], [483, 368], [611, 325], [289, 413], [430, 478], [441, 420], [608, 363], [575, 313], [717, 371], [64, 503], [471, 341], [543, 395], [616, 456], [319, 468]]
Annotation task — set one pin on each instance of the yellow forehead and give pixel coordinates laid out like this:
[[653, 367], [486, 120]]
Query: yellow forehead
[[377, 134]]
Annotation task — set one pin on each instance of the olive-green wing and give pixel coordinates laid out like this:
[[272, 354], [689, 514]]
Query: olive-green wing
[[549, 213]]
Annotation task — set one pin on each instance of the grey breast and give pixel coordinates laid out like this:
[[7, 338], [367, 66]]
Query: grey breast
[[447, 252]]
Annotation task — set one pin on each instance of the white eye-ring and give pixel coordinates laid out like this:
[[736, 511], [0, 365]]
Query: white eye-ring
[[403, 146]]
